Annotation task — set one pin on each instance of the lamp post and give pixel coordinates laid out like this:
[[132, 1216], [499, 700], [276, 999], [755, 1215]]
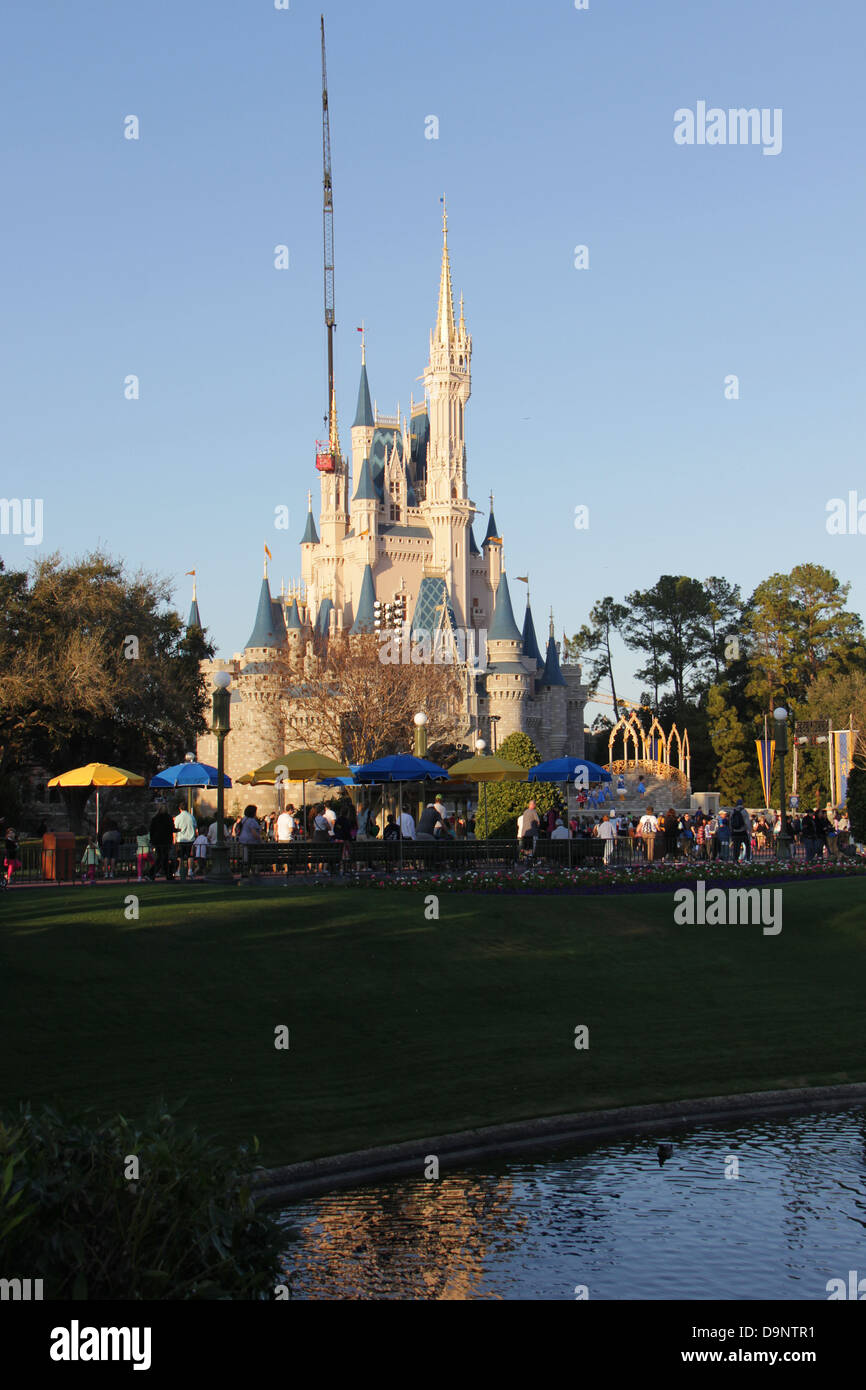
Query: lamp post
[[189, 758], [480, 746], [493, 720], [420, 750], [220, 871], [783, 844]]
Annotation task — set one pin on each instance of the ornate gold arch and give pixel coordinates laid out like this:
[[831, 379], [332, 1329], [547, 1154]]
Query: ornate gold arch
[[631, 728], [675, 734]]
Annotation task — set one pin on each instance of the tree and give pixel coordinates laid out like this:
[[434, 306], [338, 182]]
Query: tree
[[796, 625], [352, 705], [736, 771], [506, 800], [96, 667], [724, 618], [670, 622], [593, 640]]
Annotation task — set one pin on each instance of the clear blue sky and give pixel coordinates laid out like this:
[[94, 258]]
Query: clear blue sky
[[601, 387]]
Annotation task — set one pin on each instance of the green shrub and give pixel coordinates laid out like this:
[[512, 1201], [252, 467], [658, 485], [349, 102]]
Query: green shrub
[[186, 1229], [857, 803], [506, 800]]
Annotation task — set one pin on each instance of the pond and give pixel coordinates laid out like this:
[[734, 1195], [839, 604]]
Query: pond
[[770, 1209]]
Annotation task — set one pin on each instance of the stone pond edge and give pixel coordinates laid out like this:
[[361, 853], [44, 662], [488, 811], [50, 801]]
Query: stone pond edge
[[298, 1180]]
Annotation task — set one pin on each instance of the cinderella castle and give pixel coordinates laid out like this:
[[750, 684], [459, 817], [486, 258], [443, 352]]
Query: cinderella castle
[[395, 546]]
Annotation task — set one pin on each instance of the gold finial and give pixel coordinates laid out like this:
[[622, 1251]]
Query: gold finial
[[551, 620], [491, 501], [363, 344], [309, 501]]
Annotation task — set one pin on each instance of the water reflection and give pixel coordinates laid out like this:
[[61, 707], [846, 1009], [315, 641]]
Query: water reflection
[[611, 1218]]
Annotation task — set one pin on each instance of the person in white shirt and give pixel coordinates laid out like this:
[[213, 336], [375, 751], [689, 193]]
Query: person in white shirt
[[407, 826], [607, 832], [560, 831], [648, 827], [286, 825], [184, 834], [330, 816], [212, 832], [199, 849]]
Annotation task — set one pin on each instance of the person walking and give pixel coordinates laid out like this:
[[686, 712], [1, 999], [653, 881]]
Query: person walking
[[143, 857], [184, 835], [110, 848], [648, 830], [407, 826], [741, 833], [91, 859], [250, 832], [161, 828], [430, 819], [200, 846], [671, 833], [11, 862], [607, 833], [285, 828]]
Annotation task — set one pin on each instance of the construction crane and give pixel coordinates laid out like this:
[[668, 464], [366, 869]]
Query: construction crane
[[326, 460], [598, 697]]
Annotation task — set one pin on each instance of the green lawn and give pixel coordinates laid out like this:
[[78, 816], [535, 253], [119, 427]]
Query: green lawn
[[402, 1027]]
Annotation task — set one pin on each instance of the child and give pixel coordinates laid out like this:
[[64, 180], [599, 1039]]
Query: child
[[142, 848], [91, 857], [199, 849], [11, 861]]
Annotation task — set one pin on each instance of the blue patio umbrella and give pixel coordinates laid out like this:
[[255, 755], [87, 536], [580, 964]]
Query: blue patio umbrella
[[565, 769], [189, 775], [400, 768]]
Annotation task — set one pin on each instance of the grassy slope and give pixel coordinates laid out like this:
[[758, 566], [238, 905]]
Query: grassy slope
[[403, 1027]]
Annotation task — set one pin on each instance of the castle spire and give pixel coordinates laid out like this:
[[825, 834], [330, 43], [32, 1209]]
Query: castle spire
[[445, 330], [333, 432]]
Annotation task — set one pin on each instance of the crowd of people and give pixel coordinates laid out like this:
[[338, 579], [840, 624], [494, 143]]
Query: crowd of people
[[724, 835], [179, 845]]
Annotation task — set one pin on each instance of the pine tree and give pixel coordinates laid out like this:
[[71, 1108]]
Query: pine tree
[[506, 800], [736, 771]]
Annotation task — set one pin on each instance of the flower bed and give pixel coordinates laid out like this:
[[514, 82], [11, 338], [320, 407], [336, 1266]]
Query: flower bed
[[640, 878]]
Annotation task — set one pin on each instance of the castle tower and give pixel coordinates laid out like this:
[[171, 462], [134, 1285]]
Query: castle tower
[[362, 426], [491, 549], [552, 692], [309, 542], [507, 680], [365, 514], [447, 380], [257, 723], [334, 512], [194, 619]]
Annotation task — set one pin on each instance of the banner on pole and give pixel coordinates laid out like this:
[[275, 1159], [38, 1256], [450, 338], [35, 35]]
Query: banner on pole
[[844, 742], [766, 753]]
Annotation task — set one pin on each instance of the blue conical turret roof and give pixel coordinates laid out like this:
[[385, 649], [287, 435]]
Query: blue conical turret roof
[[365, 491], [279, 622], [364, 412], [194, 619], [552, 673], [473, 548], [311, 535], [503, 628], [364, 615], [530, 641], [491, 534], [293, 617], [266, 631]]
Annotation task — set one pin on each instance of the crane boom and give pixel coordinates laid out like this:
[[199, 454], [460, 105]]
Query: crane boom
[[328, 229]]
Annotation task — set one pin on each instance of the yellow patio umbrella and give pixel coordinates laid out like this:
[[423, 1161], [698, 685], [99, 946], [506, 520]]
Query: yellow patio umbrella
[[98, 775], [487, 768], [301, 765]]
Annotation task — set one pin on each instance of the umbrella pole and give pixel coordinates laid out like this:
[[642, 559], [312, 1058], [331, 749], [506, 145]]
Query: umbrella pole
[[304, 812], [400, 819], [97, 815]]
